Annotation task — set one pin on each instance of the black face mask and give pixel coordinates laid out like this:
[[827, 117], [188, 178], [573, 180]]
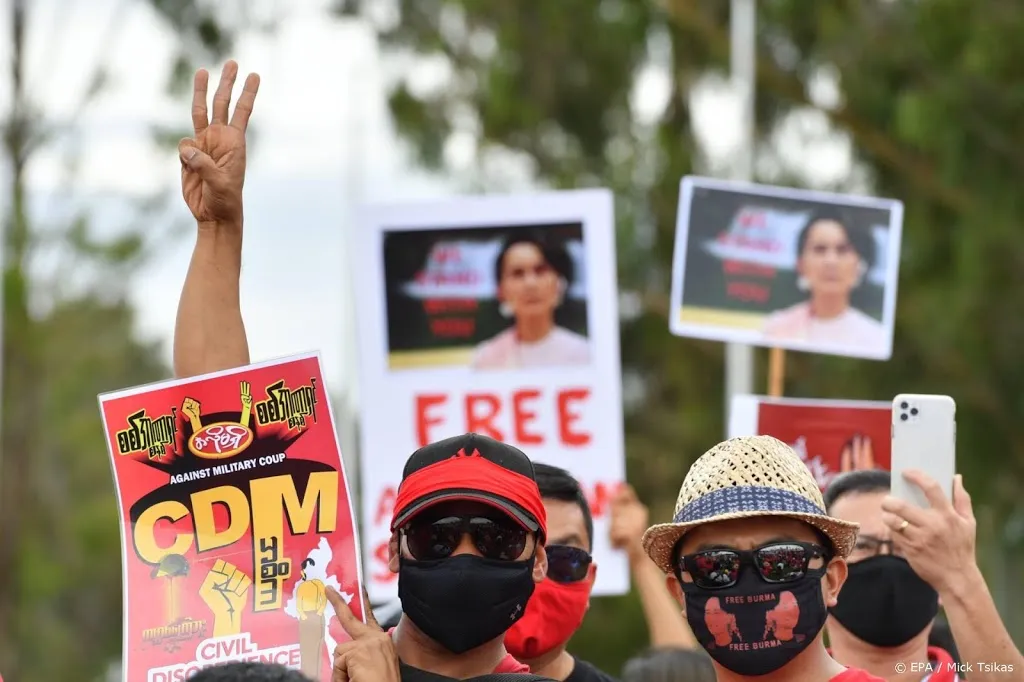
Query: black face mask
[[754, 628], [464, 601], [884, 603]]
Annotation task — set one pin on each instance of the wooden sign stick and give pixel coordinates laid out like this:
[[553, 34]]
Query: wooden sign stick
[[776, 372]]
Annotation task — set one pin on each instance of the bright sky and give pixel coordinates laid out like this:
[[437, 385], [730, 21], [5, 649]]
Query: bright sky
[[323, 143]]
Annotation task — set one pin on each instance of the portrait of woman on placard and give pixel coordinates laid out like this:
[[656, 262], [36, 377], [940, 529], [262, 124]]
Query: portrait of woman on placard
[[833, 260], [533, 278]]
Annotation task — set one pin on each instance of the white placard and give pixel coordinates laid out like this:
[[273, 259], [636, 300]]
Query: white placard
[[439, 351], [786, 268]]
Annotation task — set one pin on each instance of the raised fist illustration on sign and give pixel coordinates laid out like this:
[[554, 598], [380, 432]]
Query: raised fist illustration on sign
[[190, 408], [225, 590]]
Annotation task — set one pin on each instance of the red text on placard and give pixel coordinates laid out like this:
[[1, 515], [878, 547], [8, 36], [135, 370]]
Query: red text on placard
[[511, 418]]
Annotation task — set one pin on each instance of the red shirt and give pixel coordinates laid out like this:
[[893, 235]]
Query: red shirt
[[943, 666], [943, 670], [508, 664]]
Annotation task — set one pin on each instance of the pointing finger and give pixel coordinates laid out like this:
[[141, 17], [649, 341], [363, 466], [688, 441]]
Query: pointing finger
[[222, 99], [200, 117], [243, 107], [352, 625]]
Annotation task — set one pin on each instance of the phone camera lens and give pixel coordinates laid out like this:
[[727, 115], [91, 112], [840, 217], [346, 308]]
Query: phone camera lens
[[904, 416], [913, 411], [903, 406]]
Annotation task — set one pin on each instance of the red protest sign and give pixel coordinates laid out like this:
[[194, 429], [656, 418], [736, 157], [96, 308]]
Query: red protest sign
[[235, 516], [831, 436]]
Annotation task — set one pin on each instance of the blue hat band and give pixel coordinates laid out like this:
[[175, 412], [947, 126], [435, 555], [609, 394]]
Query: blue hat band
[[746, 499]]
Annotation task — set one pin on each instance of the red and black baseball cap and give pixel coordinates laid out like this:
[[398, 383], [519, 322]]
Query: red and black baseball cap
[[471, 467]]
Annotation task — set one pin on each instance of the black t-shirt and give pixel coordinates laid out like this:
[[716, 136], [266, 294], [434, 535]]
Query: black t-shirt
[[411, 674], [584, 672]]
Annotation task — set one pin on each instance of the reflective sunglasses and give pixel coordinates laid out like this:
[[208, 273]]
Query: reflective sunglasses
[[778, 562], [438, 539], [568, 564]]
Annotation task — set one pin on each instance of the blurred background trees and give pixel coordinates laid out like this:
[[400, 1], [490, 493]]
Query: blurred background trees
[[924, 91], [67, 336], [924, 95]]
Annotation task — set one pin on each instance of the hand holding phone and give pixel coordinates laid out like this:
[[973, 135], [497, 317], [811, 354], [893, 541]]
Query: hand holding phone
[[923, 438]]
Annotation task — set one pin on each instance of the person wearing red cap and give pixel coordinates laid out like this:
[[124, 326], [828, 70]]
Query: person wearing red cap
[[467, 544], [469, 525]]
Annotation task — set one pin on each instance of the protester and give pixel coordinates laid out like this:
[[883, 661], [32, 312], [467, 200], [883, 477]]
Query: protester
[[669, 664], [209, 333], [665, 624], [468, 547], [248, 672], [469, 525], [557, 607], [756, 561], [888, 604]]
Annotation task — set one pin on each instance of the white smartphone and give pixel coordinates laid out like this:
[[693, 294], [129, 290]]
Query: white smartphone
[[923, 438]]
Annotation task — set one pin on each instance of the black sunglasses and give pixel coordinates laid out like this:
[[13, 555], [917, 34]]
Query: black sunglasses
[[778, 562], [437, 539], [568, 564]]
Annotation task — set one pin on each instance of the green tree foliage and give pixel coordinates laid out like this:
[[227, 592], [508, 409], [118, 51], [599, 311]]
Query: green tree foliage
[[931, 103], [60, 577]]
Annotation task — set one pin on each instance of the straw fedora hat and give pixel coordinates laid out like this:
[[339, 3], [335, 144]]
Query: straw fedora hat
[[742, 478]]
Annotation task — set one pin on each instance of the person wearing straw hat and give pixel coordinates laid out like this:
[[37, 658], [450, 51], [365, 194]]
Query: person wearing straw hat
[[756, 561]]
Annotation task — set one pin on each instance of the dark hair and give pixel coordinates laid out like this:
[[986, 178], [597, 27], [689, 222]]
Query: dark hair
[[669, 664], [248, 672], [862, 241], [863, 481], [559, 484], [555, 255]]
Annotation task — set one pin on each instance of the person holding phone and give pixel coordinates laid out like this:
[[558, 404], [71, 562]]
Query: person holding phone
[[751, 543], [905, 561]]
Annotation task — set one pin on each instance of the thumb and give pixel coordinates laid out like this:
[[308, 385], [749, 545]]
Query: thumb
[[195, 159]]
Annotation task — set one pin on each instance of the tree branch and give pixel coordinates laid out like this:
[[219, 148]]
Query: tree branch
[[917, 171]]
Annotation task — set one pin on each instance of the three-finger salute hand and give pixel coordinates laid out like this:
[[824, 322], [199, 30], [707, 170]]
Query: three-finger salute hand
[[371, 655], [213, 160]]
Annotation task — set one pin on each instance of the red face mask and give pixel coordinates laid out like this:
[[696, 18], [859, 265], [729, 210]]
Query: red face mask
[[555, 611]]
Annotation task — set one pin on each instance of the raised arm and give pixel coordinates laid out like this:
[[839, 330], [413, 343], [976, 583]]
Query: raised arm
[[209, 333], [939, 543], [665, 621]]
